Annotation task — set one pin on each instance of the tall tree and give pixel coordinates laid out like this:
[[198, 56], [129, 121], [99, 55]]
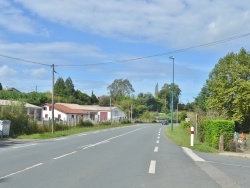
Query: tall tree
[[1, 87], [59, 87], [229, 87], [120, 88], [69, 87], [156, 91], [93, 98]]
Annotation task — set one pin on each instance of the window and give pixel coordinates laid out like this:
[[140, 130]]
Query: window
[[59, 116], [46, 115], [50, 108], [45, 108]]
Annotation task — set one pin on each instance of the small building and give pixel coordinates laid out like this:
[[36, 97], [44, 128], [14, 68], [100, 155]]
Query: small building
[[35, 112], [98, 113], [63, 113]]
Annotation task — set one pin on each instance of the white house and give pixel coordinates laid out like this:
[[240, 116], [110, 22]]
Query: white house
[[63, 113], [98, 113]]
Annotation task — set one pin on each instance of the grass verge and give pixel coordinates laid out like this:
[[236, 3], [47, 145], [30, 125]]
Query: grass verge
[[71, 131], [182, 137]]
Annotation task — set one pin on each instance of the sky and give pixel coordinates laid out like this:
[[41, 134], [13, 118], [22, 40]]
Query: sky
[[95, 42]]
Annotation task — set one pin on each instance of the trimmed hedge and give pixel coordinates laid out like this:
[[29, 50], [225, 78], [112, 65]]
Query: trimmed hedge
[[213, 129], [185, 124]]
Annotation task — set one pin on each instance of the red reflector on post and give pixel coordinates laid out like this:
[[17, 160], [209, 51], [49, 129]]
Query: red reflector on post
[[192, 132]]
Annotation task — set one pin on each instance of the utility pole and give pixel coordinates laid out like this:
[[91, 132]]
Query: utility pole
[[53, 77], [110, 108]]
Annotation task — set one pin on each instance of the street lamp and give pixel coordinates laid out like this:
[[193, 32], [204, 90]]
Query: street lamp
[[172, 95]]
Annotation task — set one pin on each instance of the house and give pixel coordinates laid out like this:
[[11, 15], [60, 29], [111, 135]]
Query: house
[[68, 112], [99, 113], [63, 113], [35, 112]]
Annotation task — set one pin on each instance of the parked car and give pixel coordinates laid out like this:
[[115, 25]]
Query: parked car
[[165, 122]]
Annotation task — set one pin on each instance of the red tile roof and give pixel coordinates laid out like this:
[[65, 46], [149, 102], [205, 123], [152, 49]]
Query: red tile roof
[[67, 110]]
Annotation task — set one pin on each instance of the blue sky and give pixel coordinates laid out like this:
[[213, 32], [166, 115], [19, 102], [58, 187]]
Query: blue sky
[[96, 35]]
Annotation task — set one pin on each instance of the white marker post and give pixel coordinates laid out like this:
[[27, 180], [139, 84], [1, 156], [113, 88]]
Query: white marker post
[[192, 137]]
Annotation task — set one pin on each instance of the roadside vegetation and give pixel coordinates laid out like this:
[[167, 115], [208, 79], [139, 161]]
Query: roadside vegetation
[[181, 136]]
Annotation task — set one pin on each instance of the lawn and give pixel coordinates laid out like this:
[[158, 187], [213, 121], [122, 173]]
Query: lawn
[[71, 131], [182, 138]]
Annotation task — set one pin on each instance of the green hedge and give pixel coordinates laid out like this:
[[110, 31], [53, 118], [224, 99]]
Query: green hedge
[[213, 129]]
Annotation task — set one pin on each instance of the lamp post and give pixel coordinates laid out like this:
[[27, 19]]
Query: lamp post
[[172, 95]]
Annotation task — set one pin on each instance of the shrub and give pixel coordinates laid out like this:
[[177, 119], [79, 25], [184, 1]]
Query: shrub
[[213, 129], [125, 121], [86, 123], [185, 124], [105, 123]]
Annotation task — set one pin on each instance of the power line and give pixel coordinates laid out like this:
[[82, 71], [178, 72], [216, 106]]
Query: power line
[[28, 61], [170, 52], [139, 58]]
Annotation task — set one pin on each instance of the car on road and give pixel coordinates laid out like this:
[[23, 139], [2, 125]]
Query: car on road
[[165, 122]]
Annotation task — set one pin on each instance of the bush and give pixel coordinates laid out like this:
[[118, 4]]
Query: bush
[[213, 129], [125, 121], [185, 124], [86, 123], [105, 123]]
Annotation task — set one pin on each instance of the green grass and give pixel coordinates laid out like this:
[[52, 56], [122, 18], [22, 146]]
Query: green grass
[[71, 131], [182, 138]]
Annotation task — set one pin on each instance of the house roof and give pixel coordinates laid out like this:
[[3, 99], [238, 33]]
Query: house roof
[[88, 107], [67, 110], [9, 102]]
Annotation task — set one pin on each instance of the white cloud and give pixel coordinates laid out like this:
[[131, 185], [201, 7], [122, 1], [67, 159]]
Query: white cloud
[[6, 72], [14, 20], [37, 73], [172, 21]]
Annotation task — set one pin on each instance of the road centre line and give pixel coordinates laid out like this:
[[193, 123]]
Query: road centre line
[[156, 149], [28, 168], [157, 142], [64, 155], [152, 167], [158, 137]]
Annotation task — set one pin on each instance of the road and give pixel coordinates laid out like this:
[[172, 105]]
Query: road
[[126, 157]]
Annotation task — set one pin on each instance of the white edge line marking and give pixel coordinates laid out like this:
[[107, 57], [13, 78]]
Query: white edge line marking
[[28, 168], [152, 167], [60, 139], [156, 149], [82, 134], [84, 146], [192, 155], [64, 155], [15, 147]]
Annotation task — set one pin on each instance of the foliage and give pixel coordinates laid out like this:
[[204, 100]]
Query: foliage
[[182, 115], [181, 136], [1, 87], [120, 88], [185, 124], [228, 87], [126, 121], [213, 129], [85, 123], [166, 93]]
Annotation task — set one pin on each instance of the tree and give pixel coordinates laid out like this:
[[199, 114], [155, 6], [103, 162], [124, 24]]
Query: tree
[[104, 100], [1, 87], [93, 99], [120, 88], [69, 87], [166, 93], [156, 91], [229, 87], [59, 87]]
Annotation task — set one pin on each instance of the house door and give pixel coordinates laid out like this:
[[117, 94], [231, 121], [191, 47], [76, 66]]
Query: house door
[[103, 116]]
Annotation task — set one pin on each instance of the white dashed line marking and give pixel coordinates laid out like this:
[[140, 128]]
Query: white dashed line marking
[[156, 149], [157, 142], [152, 167], [64, 155], [28, 168]]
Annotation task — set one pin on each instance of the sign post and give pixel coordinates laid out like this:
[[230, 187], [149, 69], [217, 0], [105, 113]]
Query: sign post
[[192, 136]]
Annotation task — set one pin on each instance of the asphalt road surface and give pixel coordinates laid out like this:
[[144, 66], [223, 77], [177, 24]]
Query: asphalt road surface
[[127, 157]]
